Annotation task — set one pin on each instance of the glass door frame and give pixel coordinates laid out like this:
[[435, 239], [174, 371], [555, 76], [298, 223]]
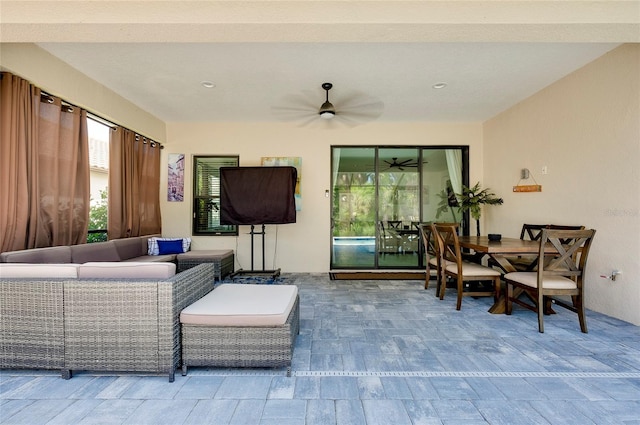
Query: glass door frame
[[420, 149]]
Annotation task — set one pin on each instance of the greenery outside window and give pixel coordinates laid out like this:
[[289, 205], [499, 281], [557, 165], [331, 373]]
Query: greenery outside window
[[206, 195]]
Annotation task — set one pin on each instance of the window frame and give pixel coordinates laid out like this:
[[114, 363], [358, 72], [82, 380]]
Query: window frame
[[211, 198]]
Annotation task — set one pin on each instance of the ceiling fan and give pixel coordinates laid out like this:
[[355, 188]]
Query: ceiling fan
[[400, 165], [351, 109]]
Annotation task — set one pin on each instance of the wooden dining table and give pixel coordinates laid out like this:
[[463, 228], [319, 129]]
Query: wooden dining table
[[499, 251]]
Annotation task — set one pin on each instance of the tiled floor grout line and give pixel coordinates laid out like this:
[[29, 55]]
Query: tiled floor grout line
[[426, 374], [466, 374]]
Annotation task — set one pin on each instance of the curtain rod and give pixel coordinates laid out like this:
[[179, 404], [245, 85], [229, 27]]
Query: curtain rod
[[97, 118]]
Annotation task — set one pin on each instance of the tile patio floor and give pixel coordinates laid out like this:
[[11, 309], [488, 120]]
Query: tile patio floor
[[375, 353]]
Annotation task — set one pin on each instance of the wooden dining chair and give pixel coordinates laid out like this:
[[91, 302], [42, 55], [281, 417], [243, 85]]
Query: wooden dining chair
[[531, 232], [463, 271], [430, 256], [562, 274], [388, 243], [528, 263], [394, 224]]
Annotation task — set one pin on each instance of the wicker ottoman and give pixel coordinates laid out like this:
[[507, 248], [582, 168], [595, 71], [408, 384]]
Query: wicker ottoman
[[241, 325], [222, 259]]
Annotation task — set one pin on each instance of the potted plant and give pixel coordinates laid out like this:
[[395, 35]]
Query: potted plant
[[472, 199], [448, 202]]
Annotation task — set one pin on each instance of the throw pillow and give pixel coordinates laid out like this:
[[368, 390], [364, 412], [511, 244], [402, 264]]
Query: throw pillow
[[170, 247], [152, 244]]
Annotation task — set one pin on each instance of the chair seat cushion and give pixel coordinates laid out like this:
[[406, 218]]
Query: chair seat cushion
[[434, 262], [549, 282], [242, 305], [472, 269]]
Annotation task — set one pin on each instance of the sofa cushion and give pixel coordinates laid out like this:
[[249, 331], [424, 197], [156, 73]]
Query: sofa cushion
[[127, 269], [54, 254], [154, 249], [128, 248], [100, 251], [38, 271], [242, 305]]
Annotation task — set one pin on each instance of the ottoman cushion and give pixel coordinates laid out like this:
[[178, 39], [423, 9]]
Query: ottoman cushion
[[242, 305]]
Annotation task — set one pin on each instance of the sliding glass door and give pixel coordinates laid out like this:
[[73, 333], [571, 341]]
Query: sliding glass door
[[380, 195]]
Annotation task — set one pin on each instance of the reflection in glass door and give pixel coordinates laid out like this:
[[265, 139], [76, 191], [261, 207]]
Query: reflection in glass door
[[354, 208], [381, 194], [398, 207]]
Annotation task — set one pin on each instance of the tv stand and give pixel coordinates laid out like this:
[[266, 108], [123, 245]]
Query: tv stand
[[252, 272]]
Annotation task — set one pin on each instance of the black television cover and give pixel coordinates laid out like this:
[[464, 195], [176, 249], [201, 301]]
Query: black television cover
[[257, 195]]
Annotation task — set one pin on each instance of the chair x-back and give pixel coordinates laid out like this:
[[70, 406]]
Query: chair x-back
[[559, 275], [463, 271], [431, 256], [528, 263]]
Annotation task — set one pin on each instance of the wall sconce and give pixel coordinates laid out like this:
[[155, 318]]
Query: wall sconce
[[524, 175]]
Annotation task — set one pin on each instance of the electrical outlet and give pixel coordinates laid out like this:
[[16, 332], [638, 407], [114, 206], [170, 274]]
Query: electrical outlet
[[545, 170]]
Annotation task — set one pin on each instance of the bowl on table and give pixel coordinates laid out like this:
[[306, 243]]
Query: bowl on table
[[494, 237]]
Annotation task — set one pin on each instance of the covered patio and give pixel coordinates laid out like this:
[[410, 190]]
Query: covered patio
[[374, 352]]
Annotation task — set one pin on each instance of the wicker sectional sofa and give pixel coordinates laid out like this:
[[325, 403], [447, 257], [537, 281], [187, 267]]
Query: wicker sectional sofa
[[98, 324]]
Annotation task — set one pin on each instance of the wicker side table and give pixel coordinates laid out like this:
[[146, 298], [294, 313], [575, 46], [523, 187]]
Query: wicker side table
[[222, 259]]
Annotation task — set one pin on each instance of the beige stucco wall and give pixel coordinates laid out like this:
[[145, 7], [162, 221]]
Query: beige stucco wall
[[585, 129], [59, 79], [303, 246]]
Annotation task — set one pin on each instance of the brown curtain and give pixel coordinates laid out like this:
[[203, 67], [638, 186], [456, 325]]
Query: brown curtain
[[134, 185], [44, 169]]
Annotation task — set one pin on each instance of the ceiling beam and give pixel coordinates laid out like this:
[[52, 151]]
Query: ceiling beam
[[320, 21]]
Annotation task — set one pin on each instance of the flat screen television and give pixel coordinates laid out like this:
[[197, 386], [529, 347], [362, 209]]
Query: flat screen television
[[257, 195]]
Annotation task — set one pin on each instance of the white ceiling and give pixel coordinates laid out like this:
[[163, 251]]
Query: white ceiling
[[483, 78], [260, 54]]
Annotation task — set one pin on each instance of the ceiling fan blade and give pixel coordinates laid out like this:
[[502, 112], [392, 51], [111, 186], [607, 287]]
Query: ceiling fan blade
[[306, 99], [309, 120], [347, 120], [368, 113], [369, 104], [289, 114]]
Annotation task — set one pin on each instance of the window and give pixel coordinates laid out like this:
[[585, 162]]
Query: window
[[206, 195], [99, 179]]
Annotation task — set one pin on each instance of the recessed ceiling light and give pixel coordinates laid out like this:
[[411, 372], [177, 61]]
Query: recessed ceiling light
[[439, 86], [208, 84]]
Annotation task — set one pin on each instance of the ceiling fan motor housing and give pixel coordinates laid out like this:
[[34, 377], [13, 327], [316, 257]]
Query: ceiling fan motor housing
[[327, 111]]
